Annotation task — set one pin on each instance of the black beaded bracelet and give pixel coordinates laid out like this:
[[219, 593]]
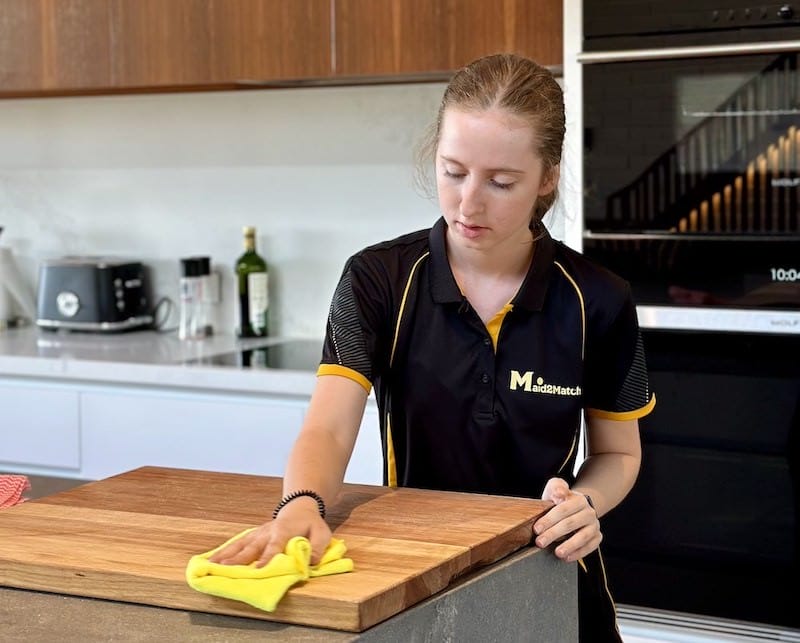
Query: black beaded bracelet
[[299, 494]]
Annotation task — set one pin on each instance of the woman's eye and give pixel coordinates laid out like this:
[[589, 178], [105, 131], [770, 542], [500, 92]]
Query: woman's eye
[[493, 182], [501, 186]]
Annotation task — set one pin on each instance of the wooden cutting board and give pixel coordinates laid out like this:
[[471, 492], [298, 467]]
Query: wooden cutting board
[[129, 537]]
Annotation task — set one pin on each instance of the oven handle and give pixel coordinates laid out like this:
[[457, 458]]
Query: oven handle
[[707, 51]]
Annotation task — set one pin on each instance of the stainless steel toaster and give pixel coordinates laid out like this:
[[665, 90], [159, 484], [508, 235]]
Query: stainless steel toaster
[[93, 294]]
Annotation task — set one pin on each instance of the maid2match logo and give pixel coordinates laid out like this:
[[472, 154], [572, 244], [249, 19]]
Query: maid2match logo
[[526, 382]]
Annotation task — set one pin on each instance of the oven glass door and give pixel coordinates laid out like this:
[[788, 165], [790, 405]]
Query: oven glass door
[[711, 526], [692, 178]]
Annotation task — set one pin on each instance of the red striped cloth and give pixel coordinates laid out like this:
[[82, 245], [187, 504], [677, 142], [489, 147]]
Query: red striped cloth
[[11, 490]]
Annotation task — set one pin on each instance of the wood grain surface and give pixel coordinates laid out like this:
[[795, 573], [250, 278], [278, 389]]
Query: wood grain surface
[[129, 537]]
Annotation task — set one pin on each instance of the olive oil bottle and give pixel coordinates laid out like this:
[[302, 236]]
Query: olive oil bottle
[[253, 281]]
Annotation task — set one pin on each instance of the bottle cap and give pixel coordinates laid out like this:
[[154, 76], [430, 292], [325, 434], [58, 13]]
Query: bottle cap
[[195, 266], [249, 231]]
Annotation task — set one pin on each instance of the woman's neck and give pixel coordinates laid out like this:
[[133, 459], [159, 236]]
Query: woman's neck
[[510, 260], [490, 280]]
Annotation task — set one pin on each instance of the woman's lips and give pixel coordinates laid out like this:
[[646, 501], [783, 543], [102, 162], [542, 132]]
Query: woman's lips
[[470, 231]]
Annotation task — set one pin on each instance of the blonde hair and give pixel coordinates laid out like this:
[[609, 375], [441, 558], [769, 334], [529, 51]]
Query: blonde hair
[[521, 87]]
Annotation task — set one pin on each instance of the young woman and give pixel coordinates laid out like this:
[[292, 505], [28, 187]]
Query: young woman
[[486, 342]]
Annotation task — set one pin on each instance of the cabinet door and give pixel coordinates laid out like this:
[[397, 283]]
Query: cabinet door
[[208, 43], [54, 45], [39, 427], [270, 40], [159, 43], [385, 37], [80, 46], [123, 430]]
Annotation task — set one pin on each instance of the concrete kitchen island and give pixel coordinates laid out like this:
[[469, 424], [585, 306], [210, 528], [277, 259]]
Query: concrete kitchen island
[[429, 566]]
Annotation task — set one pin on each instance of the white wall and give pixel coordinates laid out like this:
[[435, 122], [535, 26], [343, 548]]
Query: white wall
[[321, 172]]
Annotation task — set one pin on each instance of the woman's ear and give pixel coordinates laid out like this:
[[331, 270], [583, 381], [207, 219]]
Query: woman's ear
[[550, 180]]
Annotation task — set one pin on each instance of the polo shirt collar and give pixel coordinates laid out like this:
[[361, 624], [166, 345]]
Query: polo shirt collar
[[534, 288], [444, 288]]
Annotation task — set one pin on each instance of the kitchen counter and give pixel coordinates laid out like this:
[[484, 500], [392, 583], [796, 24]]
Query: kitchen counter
[[147, 358], [86, 406]]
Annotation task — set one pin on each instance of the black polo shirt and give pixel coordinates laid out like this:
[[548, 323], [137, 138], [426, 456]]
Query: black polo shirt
[[488, 408]]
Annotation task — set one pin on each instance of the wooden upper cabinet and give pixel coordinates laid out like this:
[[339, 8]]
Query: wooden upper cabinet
[[177, 43], [20, 45], [95, 46], [388, 37], [53, 45], [265, 40], [158, 43]]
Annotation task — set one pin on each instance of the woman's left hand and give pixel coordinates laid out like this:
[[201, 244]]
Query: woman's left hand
[[572, 521]]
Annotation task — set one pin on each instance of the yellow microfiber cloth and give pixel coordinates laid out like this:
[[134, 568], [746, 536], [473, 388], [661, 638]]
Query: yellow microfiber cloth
[[264, 587]]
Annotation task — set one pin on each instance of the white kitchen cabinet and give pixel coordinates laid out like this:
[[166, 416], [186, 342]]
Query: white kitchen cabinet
[[39, 426], [366, 463], [123, 429], [88, 430]]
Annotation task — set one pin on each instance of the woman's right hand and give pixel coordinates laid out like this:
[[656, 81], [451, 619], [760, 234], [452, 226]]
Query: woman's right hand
[[318, 461], [298, 518]]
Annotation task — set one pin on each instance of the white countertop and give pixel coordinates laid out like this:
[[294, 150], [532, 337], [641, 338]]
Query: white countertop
[[147, 358]]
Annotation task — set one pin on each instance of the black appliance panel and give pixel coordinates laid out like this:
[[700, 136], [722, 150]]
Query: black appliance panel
[[711, 526], [663, 138], [692, 178], [735, 272], [632, 24]]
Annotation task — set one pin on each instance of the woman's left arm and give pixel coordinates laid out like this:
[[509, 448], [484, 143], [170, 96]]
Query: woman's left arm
[[606, 475]]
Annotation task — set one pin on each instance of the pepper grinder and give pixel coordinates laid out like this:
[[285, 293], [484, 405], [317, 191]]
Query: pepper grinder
[[195, 276]]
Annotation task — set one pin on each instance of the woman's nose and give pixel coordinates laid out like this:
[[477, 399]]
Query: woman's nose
[[471, 197]]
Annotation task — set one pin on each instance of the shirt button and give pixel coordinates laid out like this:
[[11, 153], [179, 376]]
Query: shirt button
[[484, 378], [487, 341]]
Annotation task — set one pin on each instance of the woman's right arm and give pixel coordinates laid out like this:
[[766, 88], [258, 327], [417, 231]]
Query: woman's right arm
[[317, 462]]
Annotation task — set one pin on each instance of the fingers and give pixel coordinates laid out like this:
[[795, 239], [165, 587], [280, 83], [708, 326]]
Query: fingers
[[556, 490], [259, 545], [262, 544], [243, 550], [226, 553], [275, 545], [572, 525], [582, 543]]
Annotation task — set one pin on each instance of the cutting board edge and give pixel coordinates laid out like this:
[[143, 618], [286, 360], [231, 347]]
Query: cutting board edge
[[514, 539], [402, 596]]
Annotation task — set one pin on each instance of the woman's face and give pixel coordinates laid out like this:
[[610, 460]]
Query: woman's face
[[488, 177]]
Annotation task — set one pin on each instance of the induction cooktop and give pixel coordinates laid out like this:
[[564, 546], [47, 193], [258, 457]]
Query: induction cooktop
[[296, 355]]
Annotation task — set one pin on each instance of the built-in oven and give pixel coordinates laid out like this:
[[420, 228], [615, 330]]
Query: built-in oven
[[691, 159], [711, 526], [690, 189]]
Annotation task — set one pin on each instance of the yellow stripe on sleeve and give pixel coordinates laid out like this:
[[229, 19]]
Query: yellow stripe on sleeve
[[344, 371], [624, 415]]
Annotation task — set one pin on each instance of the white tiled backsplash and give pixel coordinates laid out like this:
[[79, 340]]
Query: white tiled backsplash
[[320, 172]]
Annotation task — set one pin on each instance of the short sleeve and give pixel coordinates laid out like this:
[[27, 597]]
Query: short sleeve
[[616, 385], [355, 326]]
